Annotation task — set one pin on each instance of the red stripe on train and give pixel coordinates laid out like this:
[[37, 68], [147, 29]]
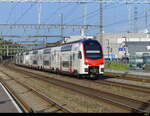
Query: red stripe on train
[[94, 62]]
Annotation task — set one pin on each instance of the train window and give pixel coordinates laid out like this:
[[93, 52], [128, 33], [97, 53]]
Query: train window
[[66, 48], [79, 55], [92, 45], [35, 52], [47, 51], [93, 50], [34, 62], [65, 63], [46, 63]]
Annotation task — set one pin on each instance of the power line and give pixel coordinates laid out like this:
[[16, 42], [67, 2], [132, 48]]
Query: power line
[[52, 15], [123, 21], [71, 12], [11, 11], [91, 14], [24, 13]]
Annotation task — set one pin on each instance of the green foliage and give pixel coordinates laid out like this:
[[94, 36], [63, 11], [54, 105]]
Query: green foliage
[[116, 65]]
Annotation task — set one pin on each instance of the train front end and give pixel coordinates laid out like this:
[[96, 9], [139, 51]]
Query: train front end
[[93, 58]]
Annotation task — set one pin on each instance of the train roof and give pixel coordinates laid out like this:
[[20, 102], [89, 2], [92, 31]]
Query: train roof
[[78, 41]]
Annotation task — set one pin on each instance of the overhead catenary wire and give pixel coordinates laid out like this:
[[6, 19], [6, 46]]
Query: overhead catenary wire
[[90, 14], [71, 12], [52, 16], [24, 13], [10, 13], [122, 21]]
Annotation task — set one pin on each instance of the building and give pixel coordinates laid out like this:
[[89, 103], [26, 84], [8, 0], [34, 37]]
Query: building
[[119, 45], [139, 53]]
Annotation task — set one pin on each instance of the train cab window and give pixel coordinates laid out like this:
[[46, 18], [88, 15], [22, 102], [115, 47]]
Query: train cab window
[[79, 55], [93, 50]]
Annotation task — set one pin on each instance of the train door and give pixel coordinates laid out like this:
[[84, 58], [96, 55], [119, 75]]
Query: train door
[[40, 58], [73, 61], [80, 63], [50, 64], [70, 63], [60, 61], [52, 60], [59, 56], [66, 62], [56, 60]]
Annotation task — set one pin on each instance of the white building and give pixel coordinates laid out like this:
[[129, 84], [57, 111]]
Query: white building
[[114, 44]]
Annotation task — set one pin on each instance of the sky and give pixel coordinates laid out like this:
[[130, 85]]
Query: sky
[[116, 17]]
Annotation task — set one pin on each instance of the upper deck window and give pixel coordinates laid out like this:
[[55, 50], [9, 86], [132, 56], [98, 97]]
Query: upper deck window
[[66, 48], [47, 51], [35, 52]]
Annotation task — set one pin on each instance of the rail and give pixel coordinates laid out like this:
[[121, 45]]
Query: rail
[[46, 98], [24, 107], [121, 101]]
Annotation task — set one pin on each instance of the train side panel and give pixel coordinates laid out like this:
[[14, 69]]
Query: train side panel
[[78, 58]]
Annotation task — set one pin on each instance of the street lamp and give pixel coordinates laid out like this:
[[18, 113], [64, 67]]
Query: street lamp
[[108, 47], [62, 21], [125, 46]]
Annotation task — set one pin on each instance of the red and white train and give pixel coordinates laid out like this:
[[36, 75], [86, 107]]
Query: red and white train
[[83, 58]]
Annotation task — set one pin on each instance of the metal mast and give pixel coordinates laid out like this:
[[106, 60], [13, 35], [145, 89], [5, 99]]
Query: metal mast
[[146, 19], [130, 18], [39, 12], [101, 22], [84, 19], [135, 19]]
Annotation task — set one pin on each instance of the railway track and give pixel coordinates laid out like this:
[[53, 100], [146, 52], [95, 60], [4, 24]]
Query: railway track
[[59, 107], [125, 85], [23, 106], [127, 77], [126, 103]]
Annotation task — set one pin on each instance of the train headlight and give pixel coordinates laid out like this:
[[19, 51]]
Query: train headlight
[[86, 61]]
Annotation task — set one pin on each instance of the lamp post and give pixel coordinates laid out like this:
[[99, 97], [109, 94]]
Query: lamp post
[[108, 47], [125, 46], [62, 21]]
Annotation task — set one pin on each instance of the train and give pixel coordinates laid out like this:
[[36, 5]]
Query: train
[[82, 58]]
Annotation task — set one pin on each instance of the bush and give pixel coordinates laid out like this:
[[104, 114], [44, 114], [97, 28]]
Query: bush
[[116, 65]]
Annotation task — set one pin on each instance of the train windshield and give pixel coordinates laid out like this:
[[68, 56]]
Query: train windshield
[[93, 50]]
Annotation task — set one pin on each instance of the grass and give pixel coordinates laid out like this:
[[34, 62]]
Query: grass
[[116, 65]]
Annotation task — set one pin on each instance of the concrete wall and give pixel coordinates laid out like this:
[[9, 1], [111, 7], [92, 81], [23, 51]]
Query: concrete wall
[[116, 40]]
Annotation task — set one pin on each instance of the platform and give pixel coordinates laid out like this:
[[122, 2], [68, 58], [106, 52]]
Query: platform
[[132, 72], [7, 103]]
